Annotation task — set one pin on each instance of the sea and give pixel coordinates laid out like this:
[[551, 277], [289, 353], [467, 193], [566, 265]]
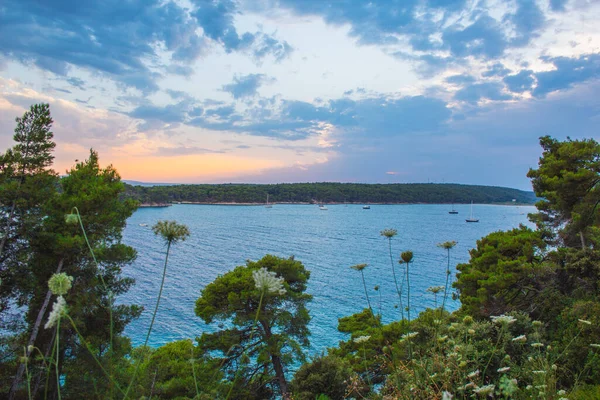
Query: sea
[[328, 242]]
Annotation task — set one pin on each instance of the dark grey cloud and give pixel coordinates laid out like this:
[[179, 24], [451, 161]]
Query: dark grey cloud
[[169, 114], [460, 79], [521, 82], [216, 18], [184, 151], [382, 21], [498, 69], [246, 85], [558, 5], [78, 83], [118, 39], [568, 72], [527, 20], [487, 90]]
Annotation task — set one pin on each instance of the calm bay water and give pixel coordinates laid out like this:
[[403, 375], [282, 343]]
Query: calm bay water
[[326, 242]]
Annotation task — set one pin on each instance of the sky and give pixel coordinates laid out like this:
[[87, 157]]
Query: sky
[[268, 91]]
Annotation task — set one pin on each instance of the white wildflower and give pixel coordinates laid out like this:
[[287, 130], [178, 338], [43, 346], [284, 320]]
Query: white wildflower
[[361, 339], [503, 369], [446, 396], [595, 345], [537, 344], [583, 321], [503, 319], [473, 374], [485, 390], [409, 335], [59, 308], [268, 281], [521, 338], [561, 392], [538, 373]]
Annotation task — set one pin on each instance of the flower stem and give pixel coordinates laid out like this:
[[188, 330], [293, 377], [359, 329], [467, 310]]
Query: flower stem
[[162, 283]]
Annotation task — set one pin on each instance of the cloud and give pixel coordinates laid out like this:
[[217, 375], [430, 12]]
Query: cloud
[[521, 82], [568, 72], [216, 18], [460, 79], [171, 113], [246, 85], [527, 20], [488, 90], [184, 151], [497, 69]]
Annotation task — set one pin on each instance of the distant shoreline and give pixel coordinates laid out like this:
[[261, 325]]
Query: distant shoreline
[[161, 205]]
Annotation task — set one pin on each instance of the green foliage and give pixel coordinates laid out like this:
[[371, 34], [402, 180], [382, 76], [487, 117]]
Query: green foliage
[[268, 330], [329, 376], [168, 373], [568, 180], [329, 193], [503, 273]]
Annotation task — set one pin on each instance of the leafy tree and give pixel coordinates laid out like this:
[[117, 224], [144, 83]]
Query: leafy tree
[[61, 246], [568, 180], [502, 274], [25, 184], [267, 328]]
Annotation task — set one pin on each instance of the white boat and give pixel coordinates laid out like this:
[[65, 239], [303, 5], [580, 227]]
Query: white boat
[[143, 224], [268, 205], [471, 218], [322, 207], [366, 207]]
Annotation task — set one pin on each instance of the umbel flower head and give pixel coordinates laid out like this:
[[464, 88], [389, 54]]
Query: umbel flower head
[[59, 309], [267, 281], [60, 284], [171, 231], [361, 339], [503, 319], [389, 233]]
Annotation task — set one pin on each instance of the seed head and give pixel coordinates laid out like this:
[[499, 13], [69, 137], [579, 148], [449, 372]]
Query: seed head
[[171, 231], [71, 219], [447, 245], [389, 233], [60, 284], [406, 256], [359, 267]]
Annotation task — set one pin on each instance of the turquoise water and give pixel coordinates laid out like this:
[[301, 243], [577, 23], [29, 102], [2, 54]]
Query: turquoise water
[[326, 242]]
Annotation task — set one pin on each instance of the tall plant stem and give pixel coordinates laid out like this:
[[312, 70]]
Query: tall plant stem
[[57, 358], [408, 290], [32, 338], [399, 291], [110, 300], [162, 283], [366, 293], [446, 287]]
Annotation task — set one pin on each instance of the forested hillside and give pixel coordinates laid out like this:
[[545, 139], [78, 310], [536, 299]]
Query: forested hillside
[[329, 193]]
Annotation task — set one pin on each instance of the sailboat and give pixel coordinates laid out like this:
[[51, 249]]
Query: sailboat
[[471, 219], [453, 211], [268, 205]]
